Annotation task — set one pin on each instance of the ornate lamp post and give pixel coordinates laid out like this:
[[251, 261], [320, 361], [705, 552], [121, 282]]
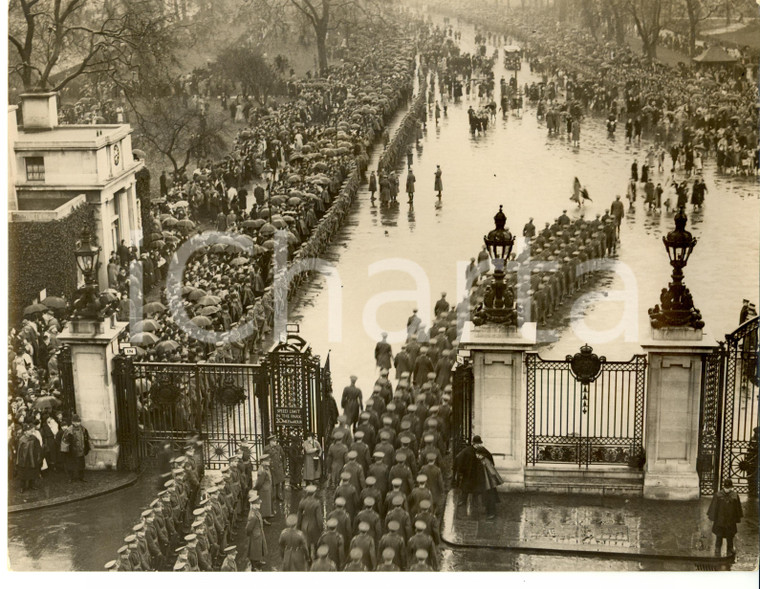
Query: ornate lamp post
[[676, 307], [88, 305], [498, 301]]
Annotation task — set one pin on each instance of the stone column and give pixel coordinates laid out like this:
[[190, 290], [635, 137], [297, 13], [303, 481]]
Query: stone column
[[93, 345], [674, 387], [497, 355]]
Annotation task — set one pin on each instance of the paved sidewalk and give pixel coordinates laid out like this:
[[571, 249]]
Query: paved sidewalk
[[55, 489], [603, 526]]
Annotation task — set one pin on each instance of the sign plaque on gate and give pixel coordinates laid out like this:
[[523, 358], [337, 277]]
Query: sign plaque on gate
[[289, 416]]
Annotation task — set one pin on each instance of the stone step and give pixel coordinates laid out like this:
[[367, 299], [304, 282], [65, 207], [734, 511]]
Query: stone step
[[594, 480]]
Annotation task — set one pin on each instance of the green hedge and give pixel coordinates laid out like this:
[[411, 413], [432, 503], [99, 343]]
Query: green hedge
[[41, 255]]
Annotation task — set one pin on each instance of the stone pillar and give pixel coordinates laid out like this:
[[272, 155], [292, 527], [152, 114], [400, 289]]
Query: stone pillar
[[497, 355], [674, 387], [93, 345]]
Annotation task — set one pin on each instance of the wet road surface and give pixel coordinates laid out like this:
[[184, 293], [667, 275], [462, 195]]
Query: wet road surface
[[392, 259]]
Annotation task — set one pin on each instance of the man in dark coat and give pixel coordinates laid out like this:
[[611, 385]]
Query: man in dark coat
[[351, 402], [77, 440], [725, 512], [468, 472], [383, 353], [28, 458]]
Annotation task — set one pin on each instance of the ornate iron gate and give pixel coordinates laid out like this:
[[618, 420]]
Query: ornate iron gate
[[740, 409], [224, 404], [596, 422], [66, 372], [729, 413], [461, 407], [710, 422]]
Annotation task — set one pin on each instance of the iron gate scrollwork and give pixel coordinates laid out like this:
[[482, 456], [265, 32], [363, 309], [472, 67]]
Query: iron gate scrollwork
[[585, 416], [296, 379], [740, 408], [729, 413], [461, 407]]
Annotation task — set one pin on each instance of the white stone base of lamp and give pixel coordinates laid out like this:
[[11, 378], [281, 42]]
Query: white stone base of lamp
[[93, 345], [674, 390], [497, 355]]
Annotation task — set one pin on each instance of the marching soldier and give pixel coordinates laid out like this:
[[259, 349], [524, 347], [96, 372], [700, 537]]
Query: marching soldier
[[379, 471], [388, 565], [349, 493], [354, 469], [434, 482], [369, 515], [336, 457], [401, 471], [387, 449], [323, 563], [294, 549], [361, 449], [419, 493], [422, 540], [372, 491], [339, 514], [400, 515], [395, 491], [366, 543], [334, 542], [310, 518], [356, 565], [366, 427], [409, 453], [431, 522], [393, 540], [421, 566]]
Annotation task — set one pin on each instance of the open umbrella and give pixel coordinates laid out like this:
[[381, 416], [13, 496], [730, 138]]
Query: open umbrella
[[156, 307], [169, 221], [46, 402], [146, 325], [292, 179], [267, 229], [180, 203], [251, 223], [209, 300], [218, 248], [35, 308], [294, 201], [210, 310], [269, 244], [279, 223], [196, 294], [278, 199], [139, 153], [167, 346], [158, 244], [201, 321], [186, 224], [143, 338], [241, 261], [54, 303]]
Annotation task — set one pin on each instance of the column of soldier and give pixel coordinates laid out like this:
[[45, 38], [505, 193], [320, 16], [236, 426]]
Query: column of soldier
[[562, 258], [180, 533], [384, 465]]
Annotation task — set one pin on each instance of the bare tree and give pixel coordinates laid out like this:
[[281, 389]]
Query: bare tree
[[56, 41], [248, 66], [698, 11], [648, 17]]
